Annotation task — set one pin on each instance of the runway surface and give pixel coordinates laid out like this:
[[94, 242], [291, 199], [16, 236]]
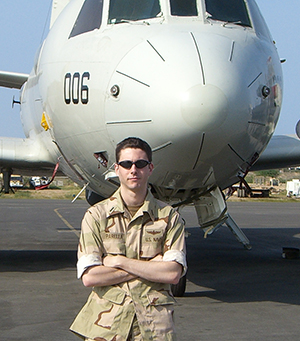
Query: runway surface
[[232, 293]]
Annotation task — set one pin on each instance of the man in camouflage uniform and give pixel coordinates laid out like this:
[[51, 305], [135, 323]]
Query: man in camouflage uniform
[[131, 249]]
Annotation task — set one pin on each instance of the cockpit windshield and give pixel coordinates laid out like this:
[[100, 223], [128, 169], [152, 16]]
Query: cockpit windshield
[[231, 11], [89, 18], [183, 8], [132, 10]]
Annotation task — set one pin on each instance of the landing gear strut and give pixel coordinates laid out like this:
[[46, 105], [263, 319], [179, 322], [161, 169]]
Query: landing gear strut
[[239, 234], [212, 213], [7, 172]]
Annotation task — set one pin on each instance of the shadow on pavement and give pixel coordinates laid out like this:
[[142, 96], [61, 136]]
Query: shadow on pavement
[[36, 261], [229, 273]]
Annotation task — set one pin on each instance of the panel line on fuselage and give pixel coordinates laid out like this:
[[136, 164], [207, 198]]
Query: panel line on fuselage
[[200, 150], [156, 50], [130, 121], [199, 57], [136, 80], [255, 79]]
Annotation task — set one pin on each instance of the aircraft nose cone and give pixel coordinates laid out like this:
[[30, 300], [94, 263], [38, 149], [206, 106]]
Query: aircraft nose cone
[[204, 108]]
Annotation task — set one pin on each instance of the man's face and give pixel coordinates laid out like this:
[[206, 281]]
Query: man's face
[[134, 179]]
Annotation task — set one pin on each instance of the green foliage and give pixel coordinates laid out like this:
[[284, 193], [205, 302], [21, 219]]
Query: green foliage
[[272, 173], [250, 178]]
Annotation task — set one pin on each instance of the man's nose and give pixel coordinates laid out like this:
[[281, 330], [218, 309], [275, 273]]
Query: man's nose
[[133, 168]]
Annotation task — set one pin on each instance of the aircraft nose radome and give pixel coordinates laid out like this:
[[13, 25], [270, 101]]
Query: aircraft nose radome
[[170, 80], [204, 107]]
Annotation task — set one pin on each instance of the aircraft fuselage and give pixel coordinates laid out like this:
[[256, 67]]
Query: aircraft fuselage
[[205, 94]]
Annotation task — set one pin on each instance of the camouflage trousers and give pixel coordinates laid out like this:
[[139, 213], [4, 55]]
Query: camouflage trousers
[[135, 334]]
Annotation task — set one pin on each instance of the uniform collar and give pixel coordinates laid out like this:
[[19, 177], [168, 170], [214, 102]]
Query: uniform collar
[[116, 205]]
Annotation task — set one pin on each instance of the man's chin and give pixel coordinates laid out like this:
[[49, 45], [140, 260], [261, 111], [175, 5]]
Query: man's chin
[[134, 185]]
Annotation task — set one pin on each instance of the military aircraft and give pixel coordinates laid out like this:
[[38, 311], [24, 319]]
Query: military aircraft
[[200, 80]]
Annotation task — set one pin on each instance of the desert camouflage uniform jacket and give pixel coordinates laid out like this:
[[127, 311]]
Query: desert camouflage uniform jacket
[[107, 228]]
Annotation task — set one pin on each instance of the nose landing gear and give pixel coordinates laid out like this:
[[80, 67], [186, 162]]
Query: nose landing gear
[[7, 172]]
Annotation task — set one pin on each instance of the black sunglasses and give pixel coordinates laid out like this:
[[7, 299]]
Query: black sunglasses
[[127, 164]]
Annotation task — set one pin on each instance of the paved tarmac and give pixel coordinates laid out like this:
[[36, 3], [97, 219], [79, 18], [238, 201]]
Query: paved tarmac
[[232, 293]]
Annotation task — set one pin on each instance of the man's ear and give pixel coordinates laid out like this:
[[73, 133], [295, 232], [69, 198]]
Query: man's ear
[[116, 168], [151, 167]]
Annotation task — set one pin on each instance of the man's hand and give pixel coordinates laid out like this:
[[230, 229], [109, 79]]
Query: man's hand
[[109, 274], [157, 258], [115, 261], [112, 261], [155, 270]]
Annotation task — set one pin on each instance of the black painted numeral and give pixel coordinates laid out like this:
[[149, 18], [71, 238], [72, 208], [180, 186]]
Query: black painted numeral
[[75, 88]]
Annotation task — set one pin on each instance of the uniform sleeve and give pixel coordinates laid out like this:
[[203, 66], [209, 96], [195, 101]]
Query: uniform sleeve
[[174, 248], [90, 248]]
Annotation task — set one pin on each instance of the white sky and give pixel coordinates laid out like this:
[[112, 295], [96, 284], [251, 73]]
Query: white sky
[[24, 24]]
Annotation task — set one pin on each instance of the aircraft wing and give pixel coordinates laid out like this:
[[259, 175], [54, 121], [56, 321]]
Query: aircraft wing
[[12, 79], [24, 154], [282, 151]]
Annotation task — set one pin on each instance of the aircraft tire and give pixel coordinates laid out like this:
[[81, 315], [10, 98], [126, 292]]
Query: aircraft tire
[[178, 289]]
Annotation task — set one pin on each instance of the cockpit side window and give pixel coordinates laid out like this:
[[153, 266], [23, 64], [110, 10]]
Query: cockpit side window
[[234, 11], [89, 18], [259, 23], [184, 8], [131, 10]]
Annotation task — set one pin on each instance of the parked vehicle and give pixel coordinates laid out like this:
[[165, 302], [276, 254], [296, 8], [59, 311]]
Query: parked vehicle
[[37, 181], [16, 181]]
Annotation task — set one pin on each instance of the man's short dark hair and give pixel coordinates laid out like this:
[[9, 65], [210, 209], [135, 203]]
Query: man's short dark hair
[[136, 143]]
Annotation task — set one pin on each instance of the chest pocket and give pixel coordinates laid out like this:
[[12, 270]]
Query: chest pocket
[[113, 238], [153, 238]]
